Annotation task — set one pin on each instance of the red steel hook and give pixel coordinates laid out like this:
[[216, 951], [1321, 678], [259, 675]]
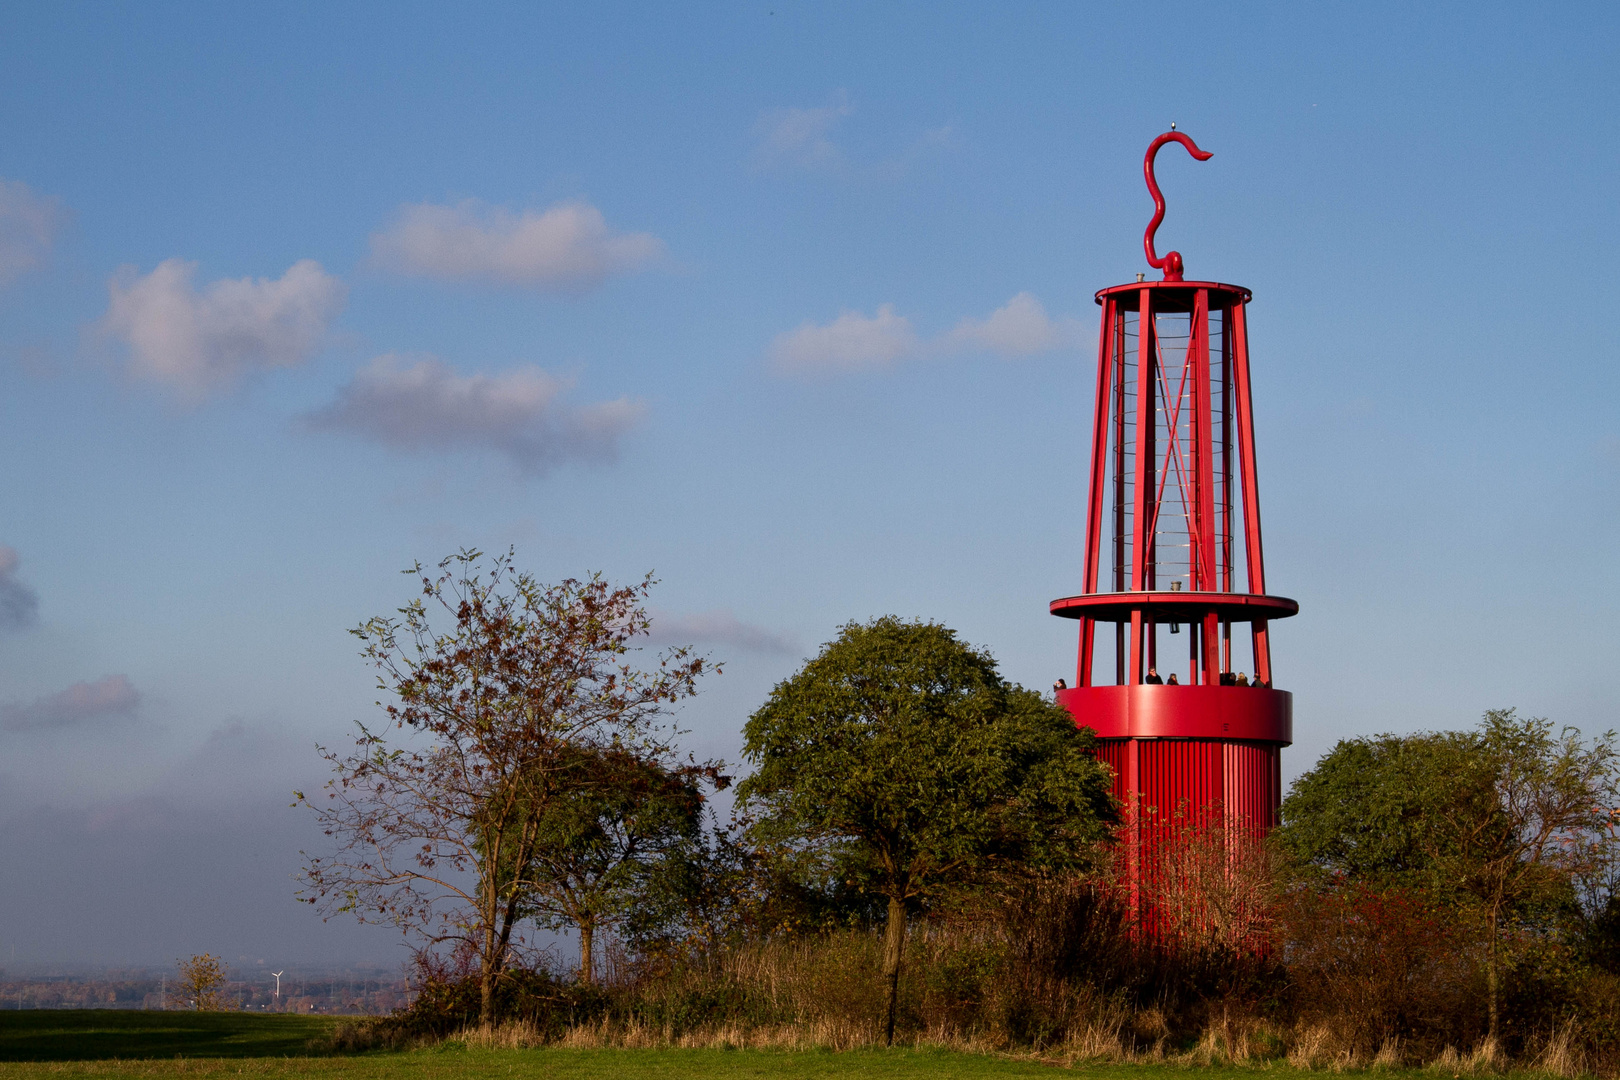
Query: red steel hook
[[1171, 263]]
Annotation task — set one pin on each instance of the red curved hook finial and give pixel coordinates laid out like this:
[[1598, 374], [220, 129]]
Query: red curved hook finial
[[1171, 263]]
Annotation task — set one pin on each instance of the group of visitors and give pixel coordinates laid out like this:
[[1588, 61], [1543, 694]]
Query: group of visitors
[[1155, 679], [1227, 679]]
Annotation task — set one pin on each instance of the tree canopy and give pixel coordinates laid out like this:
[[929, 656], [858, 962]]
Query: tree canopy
[[600, 840], [1371, 807], [902, 758]]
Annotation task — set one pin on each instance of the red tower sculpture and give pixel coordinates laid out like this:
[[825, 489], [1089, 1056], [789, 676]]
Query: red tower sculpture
[[1174, 511]]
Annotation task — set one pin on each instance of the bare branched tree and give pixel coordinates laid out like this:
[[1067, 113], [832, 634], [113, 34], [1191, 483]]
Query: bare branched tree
[[1209, 882], [493, 684]]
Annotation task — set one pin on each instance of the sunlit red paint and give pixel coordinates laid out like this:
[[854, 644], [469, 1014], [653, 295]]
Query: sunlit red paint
[[1173, 519]]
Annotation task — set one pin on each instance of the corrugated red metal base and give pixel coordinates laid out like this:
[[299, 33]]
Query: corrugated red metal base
[[1193, 810], [1192, 779]]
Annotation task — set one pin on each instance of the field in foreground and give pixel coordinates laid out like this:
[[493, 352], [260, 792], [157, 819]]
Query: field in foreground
[[105, 1034], [138, 1044]]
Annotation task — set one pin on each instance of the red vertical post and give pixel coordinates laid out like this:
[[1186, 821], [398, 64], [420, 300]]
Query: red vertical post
[[1119, 484], [1150, 527], [1204, 574], [1145, 471], [1192, 654], [1251, 484], [1203, 524], [1099, 472], [1133, 826], [1225, 585]]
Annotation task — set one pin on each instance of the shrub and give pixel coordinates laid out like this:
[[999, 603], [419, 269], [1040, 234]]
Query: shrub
[[1380, 964]]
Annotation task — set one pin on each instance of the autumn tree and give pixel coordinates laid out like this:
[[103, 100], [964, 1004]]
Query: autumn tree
[[499, 692], [902, 757], [202, 978]]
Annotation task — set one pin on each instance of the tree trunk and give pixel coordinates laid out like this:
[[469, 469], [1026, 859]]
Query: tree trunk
[[1491, 977], [488, 972], [894, 941], [587, 935]]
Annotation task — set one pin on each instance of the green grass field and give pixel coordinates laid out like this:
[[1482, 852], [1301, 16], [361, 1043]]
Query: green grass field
[[125, 1044]]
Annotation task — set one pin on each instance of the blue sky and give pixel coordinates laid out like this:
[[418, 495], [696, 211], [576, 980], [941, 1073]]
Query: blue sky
[[788, 303]]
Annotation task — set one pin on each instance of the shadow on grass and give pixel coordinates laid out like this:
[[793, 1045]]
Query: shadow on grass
[[100, 1034]]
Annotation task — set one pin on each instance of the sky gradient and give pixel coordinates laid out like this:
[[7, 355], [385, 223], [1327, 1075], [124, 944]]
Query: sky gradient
[[790, 304]]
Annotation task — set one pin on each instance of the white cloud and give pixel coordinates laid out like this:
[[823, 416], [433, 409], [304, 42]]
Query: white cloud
[[112, 696], [426, 405], [19, 606], [802, 137], [203, 342], [717, 627], [1019, 327], [851, 342], [856, 342], [28, 226], [566, 247]]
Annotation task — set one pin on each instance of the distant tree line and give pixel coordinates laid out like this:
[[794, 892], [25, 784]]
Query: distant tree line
[[527, 778]]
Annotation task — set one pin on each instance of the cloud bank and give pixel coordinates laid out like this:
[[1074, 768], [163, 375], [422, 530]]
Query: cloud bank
[[204, 342], [857, 342], [19, 605], [567, 247], [110, 697], [28, 227], [427, 405], [717, 627]]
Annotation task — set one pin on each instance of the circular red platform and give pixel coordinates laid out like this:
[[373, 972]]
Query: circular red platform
[[1174, 606], [1183, 712]]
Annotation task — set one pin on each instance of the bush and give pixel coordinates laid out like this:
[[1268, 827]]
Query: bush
[[449, 996], [1379, 965]]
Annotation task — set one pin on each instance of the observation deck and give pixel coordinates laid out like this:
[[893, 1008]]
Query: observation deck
[[1174, 607]]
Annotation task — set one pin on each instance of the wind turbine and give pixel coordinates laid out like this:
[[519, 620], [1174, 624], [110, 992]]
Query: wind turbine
[[277, 974]]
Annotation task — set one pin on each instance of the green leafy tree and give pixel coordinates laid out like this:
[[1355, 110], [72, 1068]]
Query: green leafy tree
[[1512, 822], [902, 758], [1370, 809], [699, 894], [598, 842]]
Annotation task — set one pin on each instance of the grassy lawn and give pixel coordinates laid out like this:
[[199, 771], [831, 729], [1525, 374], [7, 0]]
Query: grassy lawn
[[92, 1034], [130, 1044], [614, 1065]]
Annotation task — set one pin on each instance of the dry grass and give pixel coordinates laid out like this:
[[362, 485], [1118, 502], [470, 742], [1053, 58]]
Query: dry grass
[[1110, 1039], [963, 989], [1062, 973], [1389, 1055], [1562, 1056]]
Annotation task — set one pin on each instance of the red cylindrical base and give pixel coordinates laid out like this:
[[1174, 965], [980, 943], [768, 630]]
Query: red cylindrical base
[[1189, 752]]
